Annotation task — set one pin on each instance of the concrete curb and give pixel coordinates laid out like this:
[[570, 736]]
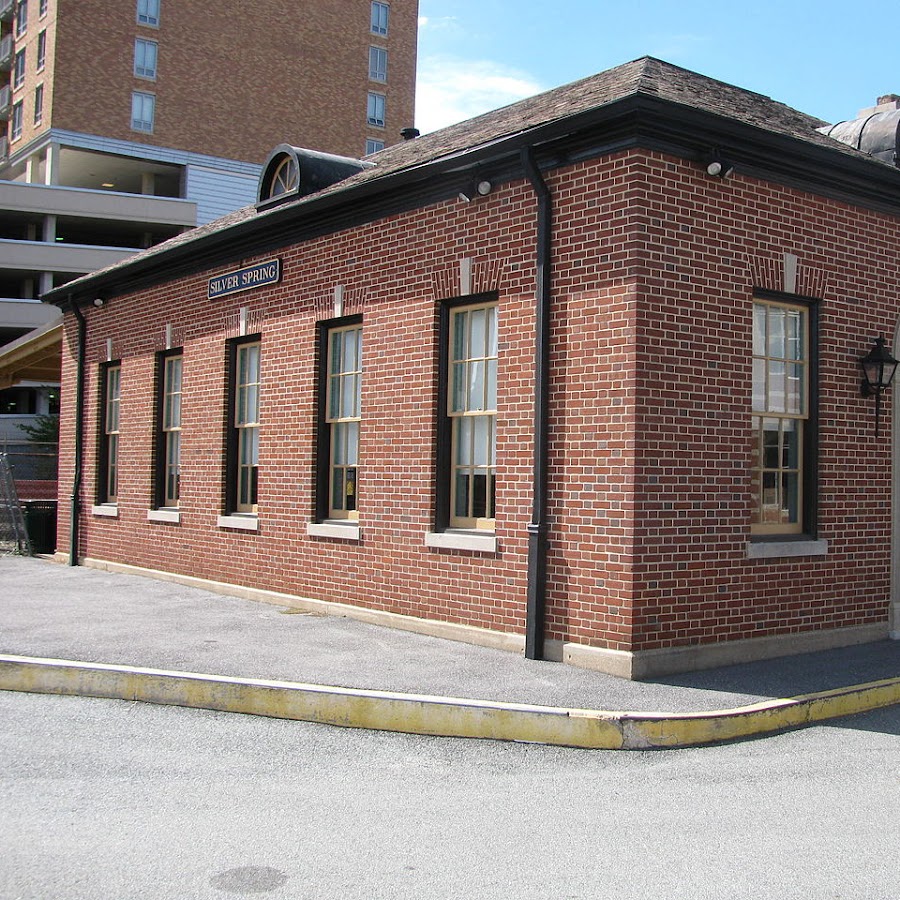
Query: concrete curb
[[439, 716]]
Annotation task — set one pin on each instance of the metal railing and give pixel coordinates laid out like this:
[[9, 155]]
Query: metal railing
[[6, 52], [13, 534], [31, 460]]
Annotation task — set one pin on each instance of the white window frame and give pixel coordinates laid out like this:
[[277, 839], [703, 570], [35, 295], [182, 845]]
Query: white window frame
[[145, 58], [375, 109], [42, 8], [378, 61], [139, 120], [39, 104], [373, 146], [19, 68], [42, 50], [380, 20], [15, 123], [148, 13], [21, 18]]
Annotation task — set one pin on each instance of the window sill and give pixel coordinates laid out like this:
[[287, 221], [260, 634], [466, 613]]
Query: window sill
[[172, 516], [240, 522], [106, 510], [462, 540], [340, 532], [776, 549]]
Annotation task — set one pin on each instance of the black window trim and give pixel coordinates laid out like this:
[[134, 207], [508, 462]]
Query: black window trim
[[322, 482], [810, 509], [444, 425]]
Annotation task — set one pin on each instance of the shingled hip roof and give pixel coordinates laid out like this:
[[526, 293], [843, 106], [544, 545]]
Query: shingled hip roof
[[552, 115]]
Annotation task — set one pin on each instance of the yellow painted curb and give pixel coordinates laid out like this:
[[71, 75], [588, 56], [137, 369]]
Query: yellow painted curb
[[440, 716]]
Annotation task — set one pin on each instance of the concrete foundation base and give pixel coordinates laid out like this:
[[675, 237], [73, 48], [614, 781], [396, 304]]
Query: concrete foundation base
[[637, 665]]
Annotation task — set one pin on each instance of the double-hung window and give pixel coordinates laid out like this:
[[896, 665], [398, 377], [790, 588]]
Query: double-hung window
[[145, 58], [41, 50], [244, 456], [108, 480], [168, 452], [16, 121], [380, 17], [472, 353], [21, 18], [38, 104], [377, 63], [143, 111], [343, 397], [375, 110], [148, 12], [19, 69], [782, 449]]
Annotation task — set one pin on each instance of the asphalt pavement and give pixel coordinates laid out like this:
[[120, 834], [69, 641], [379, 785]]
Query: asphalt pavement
[[53, 611]]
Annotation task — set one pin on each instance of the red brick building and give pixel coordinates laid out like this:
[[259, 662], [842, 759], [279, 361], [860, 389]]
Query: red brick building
[[580, 375], [193, 76]]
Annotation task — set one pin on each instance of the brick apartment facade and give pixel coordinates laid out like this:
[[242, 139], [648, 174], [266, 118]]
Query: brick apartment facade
[[708, 496], [224, 78]]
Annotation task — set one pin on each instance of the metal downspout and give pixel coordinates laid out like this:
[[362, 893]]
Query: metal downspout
[[79, 434], [535, 615]]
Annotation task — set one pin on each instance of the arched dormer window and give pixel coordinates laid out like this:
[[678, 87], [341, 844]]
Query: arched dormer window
[[292, 172], [280, 177], [286, 177]]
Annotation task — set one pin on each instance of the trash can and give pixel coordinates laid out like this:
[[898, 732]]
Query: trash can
[[40, 523]]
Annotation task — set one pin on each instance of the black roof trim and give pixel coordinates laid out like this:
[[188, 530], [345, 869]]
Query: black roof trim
[[440, 164]]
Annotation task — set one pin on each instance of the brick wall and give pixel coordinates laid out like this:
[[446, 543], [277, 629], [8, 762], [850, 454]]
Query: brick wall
[[33, 76], [235, 80], [655, 265]]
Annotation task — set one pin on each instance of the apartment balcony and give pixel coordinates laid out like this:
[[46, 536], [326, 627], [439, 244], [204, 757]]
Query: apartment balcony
[[7, 8], [6, 53], [5, 102]]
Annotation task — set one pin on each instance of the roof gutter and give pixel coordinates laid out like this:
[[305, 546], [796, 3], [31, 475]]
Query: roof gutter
[[636, 119], [536, 603]]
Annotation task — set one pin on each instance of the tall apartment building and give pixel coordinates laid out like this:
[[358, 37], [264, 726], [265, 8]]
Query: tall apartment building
[[125, 122], [128, 121]]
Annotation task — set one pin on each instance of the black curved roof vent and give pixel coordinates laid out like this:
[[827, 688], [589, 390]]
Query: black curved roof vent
[[875, 131], [291, 172]]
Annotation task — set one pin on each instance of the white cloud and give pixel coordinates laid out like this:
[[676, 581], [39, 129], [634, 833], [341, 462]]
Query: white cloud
[[441, 23], [450, 89]]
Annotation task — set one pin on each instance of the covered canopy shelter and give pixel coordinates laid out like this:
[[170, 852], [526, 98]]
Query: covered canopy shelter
[[35, 356]]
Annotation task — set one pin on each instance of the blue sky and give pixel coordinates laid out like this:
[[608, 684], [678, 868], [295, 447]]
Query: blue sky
[[827, 59]]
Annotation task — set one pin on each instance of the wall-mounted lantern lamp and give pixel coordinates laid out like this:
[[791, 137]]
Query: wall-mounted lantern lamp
[[878, 372]]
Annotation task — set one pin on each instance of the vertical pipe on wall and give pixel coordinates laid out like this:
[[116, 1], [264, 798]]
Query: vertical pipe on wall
[[894, 602], [75, 498], [535, 612]]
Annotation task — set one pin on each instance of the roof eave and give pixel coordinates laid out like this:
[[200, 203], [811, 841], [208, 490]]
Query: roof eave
[[638, 119]]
